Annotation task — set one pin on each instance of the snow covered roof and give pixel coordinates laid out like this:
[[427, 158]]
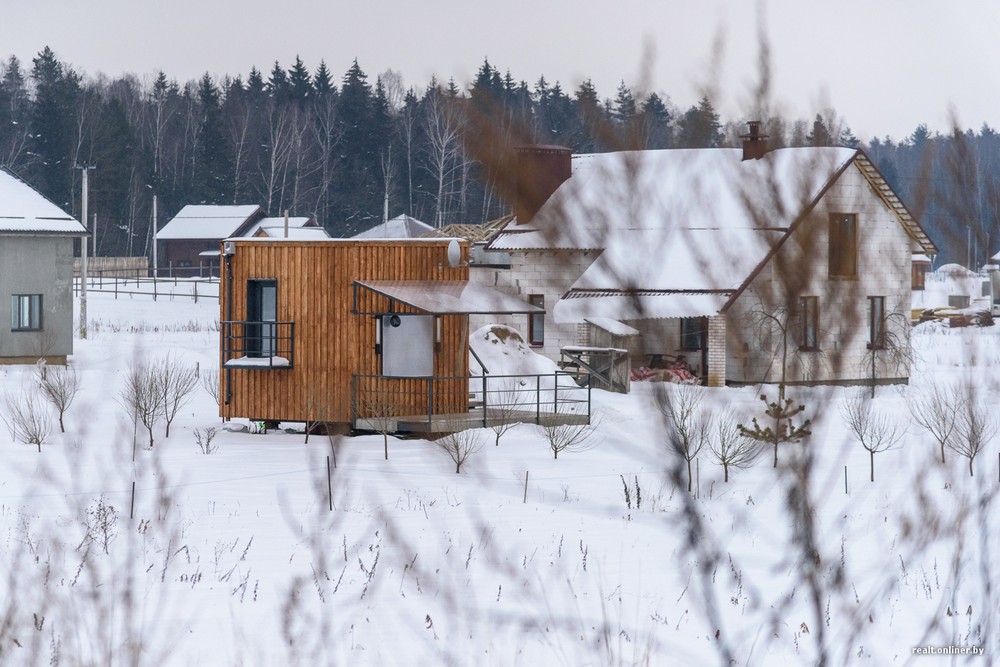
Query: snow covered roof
[[400, 227], [24, 210], [577, 307], [448, 297], [296, 233], [203, 221], [683, 229], [612, 326], [278, 222]]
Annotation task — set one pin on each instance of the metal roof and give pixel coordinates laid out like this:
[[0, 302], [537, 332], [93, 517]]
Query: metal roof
[[449, 297]]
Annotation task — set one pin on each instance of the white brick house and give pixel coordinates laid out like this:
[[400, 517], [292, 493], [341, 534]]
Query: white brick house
[[700, 249]]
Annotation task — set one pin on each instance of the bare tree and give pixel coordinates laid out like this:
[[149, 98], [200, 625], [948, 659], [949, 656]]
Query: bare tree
[[142, 396], [565, 434], [731, 448], [460, 445], [177, 381], [27, 419], [935, 408], [376, 408], [210, 383], [501, 406], [444, 148], [975, 426], [686, 425], [875, 430], [59, 386]]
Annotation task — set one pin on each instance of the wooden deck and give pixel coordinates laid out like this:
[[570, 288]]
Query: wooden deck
[[472, 419]]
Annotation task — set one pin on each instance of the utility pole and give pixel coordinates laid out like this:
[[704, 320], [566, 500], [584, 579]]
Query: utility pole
[[156, 255], [85, 168]]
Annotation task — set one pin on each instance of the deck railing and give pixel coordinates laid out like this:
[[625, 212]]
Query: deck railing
[[387, 403], [252, 344]]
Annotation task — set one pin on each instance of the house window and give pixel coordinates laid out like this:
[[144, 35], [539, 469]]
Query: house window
[[919, 274], [262, 308], [876, 323], [536, 321], [809, 323], [692, 333], [843, 245], [26, 312]]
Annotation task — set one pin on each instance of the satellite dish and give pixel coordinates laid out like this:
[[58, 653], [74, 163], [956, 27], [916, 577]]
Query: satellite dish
[[454, 254]]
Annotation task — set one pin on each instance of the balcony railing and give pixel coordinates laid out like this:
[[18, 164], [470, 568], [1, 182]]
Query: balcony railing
[[266, 345], [442, 404]]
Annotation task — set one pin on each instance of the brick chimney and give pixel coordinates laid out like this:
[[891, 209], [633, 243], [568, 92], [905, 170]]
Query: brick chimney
[[540, 170], [754, 143]]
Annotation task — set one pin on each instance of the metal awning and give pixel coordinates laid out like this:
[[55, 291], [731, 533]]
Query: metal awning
[[628, 307], [446, 297]]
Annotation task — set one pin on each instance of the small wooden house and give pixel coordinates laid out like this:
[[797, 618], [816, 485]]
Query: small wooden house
[[342, 330]]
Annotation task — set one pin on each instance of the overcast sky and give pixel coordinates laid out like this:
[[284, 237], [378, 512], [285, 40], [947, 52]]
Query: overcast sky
[[884, 65]]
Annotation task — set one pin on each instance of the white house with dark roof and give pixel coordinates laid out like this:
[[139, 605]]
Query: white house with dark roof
[[733, 259], [36, 275]]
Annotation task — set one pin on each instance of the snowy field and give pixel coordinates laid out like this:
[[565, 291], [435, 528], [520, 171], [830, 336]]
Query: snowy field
[[235, 558]]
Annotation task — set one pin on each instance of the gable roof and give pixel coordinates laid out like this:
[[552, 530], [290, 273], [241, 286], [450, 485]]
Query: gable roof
[[296, 223], [24, 210], [691, 222], [208, 221], [400, 227]]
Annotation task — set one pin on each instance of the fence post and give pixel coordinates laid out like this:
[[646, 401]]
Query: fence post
[[525, 501], [538, 399], [555, 392], [484, 399], [196, 291], [430, 399]]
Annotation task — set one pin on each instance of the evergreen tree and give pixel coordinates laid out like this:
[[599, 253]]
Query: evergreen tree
[[820, 135], [255, 84], [15, 109], [299, 82], [699, 127], [655, 122], [323, 81], [57, 91], [278, 86], [212, 184]]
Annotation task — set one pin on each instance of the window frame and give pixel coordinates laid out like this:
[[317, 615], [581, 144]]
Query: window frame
[[842, 261], [809, 323], [686, 334], [35, 320], [536, 321], [876, 333]]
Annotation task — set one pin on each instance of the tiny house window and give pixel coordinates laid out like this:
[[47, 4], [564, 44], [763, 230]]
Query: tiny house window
[[262, 308], [843, 245], [26, 312], [536, 321], [809, 323], [876, 323], [692, 333]]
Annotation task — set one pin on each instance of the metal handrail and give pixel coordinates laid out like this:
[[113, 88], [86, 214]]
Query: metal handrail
[[244, 342]]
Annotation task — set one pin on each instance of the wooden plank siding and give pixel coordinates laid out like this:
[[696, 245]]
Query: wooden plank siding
[[332, 344]]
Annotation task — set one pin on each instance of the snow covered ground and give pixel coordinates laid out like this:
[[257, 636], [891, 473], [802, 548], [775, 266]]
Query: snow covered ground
[[236, 558]]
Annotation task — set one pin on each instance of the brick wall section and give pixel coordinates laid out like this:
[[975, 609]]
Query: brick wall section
[[884, 259], [717, 351], [550, 273]]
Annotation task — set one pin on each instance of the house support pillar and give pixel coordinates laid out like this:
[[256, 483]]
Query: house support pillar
[[717, 351]]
